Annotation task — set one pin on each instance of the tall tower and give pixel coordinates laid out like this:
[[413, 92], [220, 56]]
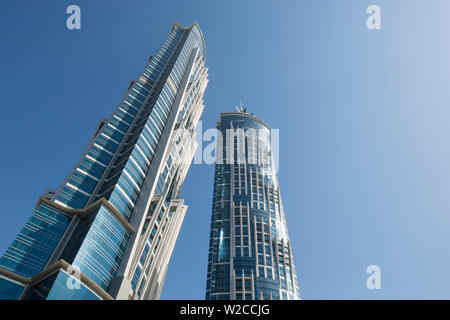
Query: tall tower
[[250, 255], [108, 232]]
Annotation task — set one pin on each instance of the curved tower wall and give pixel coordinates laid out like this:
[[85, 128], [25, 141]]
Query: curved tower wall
[[250, 255]]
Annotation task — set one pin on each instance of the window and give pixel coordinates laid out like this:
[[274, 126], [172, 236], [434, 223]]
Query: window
[[239, 284], [248, 285]]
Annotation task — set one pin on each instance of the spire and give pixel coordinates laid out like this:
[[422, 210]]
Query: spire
[[241, 109]]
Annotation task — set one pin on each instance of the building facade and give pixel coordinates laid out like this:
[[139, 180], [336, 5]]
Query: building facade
[[250, 255], [108, 232]]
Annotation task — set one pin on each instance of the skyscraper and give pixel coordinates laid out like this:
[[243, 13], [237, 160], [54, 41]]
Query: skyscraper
[[109, 230], [250, 255]]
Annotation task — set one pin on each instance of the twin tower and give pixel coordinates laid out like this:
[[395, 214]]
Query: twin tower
[[109, 230]]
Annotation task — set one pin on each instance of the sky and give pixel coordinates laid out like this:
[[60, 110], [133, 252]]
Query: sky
[[362, 114]]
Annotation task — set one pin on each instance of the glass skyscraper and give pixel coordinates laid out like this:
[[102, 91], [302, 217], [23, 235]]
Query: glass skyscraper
[[250, 255], [109, 230]]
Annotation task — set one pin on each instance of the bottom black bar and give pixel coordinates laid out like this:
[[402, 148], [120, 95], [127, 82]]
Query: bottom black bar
[[196, 309]]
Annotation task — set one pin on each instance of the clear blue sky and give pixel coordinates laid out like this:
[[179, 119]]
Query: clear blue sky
[[363, 117]]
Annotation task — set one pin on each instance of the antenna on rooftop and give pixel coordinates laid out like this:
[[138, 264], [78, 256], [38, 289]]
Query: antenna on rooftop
[[241, 108]]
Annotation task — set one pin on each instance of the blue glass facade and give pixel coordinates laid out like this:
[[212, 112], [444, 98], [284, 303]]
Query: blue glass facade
[[30, 250], [101, 250], [54, 287], [59, 290], [249, 251], [127, 118], [102, 220], [10, 290], [127, 188]]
